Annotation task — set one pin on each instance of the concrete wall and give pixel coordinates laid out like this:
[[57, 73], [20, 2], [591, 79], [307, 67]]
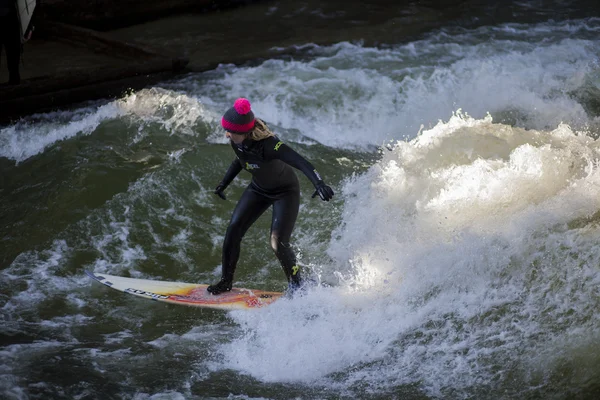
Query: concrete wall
[[111, 14]]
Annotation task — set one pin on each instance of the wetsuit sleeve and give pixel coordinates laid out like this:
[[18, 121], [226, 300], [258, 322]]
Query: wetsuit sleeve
[[232, 172], [276, 149]]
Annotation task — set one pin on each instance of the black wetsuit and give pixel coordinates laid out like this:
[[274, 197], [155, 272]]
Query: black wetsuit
[[10, 38], [275, 183]]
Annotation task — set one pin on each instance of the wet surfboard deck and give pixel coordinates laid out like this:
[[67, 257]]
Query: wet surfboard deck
[[188, 294]]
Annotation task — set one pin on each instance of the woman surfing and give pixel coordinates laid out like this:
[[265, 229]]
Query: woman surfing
[[274, 183]]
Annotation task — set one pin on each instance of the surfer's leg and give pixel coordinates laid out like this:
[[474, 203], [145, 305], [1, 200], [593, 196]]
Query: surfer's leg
[[3, 36], [12, 45], [285, 212], [248, 209]]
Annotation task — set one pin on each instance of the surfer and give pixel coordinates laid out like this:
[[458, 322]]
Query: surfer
[[10, 38], [274, 183]]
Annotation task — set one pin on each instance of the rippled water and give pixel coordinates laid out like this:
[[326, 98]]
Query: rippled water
[[458, 260]]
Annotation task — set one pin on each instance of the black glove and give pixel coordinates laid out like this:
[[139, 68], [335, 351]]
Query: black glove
[[219, 191], [324, 191]]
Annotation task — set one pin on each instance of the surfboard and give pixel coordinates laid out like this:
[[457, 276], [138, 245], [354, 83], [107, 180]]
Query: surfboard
[[25, 11], [188, 294]]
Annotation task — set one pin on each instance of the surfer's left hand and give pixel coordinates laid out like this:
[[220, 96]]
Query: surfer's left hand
[[325, 192]]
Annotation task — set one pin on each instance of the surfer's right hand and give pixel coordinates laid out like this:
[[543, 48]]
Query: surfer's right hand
[[219, 192]]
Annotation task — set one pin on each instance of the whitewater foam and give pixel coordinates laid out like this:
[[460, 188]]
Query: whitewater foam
[[461, 246], [350, 96], [23, 140]]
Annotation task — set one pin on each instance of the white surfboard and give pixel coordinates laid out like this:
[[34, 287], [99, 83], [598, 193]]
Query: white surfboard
[[25, 11], [188, 294]]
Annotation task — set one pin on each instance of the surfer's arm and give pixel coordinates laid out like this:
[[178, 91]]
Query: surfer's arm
[[232, 172], [230, 175], [279, 150]]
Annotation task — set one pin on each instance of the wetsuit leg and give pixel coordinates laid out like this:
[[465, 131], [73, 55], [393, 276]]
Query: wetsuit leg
[[3, 38], [251, 206], [12, 44], [285, 212]]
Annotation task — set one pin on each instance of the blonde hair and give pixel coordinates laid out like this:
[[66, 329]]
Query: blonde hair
[[260, 131]]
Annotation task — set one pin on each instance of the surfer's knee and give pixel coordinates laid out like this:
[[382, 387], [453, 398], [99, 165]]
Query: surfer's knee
[[235, 232]]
